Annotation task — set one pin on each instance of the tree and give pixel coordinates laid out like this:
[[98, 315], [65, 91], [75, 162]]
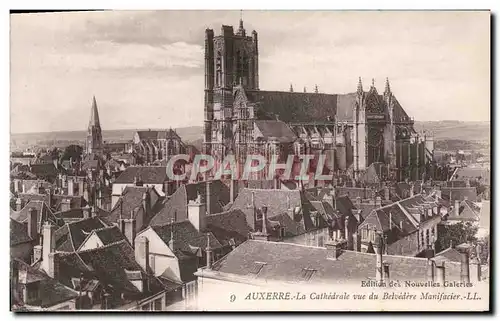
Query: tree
[[456, 234], [73, 152]]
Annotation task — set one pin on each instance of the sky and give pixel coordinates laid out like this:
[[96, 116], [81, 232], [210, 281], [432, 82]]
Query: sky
[[146, 68]]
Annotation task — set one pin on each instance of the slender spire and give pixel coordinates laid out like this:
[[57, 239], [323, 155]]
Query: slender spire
[[291, 88], [305, 89], [373, 82], [360, 86], [241, 29], [94, 114]]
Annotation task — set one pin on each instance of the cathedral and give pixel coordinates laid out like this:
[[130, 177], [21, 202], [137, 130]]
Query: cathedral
[[354, 130]]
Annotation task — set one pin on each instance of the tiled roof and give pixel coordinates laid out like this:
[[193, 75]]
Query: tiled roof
[[18, 233], [75, 201], [473, 173], [44, 213], [301, 107], [51, 292], [35, 197], [186, 237], [458, 193], [71, 235], [286, 262], [109, 235], [130, 203], [275, 129], [157, 134], [449, 254], [229, 225], [176, 206], [277, 202], [147, 174], [109, 264]]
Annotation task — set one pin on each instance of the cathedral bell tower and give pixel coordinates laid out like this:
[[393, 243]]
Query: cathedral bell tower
[[230, 59], [94, 143]]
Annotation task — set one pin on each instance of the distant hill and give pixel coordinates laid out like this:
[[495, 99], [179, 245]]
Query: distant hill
[[457, 130], [443, 130], [188, 135]]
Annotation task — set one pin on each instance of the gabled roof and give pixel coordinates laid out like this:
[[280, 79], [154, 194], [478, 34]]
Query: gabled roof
[[51, 292], [146, 174], [43, 212], [70, 237], [276, 201], [186, 238], [229, 225], [275, 130], [284, 262], [176, 206], [18, 233], [450, 254], [158, 134], [130, 204], [75, 201], [111, 265], [107, 235]]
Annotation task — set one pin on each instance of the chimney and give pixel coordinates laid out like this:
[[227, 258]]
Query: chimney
[[209, 253], [334, 249], [16, 185], [464, 262], [142, 252], [65, 204], [277, 182], [264, 220], [430, 270], [48, 246], [86, 212], [146, 204], [71, 187], [379, 250], [93, 211], [32, 224], [456, 208], [208, 196], [53, 271], [127, 227], [23, 188], [80, 187], [19, 204], [197, 213], [412, 189], [386, 193], [386, 268], [378, 201], [348, 234], [233, 189], [440, 273]]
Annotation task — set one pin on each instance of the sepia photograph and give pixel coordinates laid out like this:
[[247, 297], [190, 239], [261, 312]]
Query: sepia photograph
[[250, 160]]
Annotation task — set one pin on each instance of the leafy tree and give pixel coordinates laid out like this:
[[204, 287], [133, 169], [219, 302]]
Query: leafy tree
[[73, 151], [463, 232]]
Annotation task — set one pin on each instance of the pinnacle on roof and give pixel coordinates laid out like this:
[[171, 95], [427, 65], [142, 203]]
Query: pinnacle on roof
[[360, 86], [387, 86], [94, 115]]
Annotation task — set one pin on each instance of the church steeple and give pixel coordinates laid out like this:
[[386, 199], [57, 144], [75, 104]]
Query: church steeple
[[94, 115], [291, 88], [94, 134], [241, 30]]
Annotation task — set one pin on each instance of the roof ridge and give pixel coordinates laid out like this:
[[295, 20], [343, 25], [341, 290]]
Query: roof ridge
[[103, 247]]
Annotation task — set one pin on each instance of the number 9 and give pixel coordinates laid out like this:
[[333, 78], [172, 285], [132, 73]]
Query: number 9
[[232, 298]]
